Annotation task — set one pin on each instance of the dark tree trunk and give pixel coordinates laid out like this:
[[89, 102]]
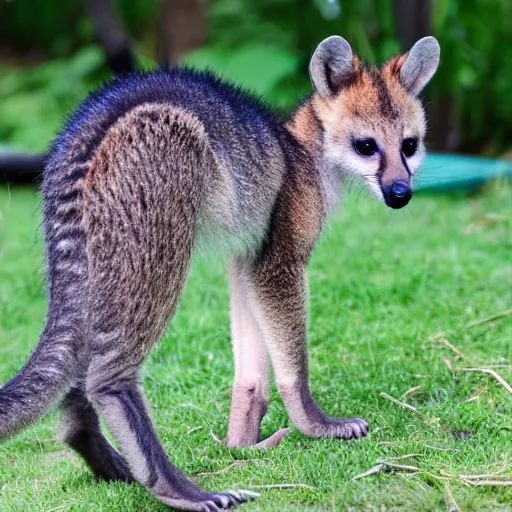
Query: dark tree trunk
[[26, 168], [182, 27], [111, 35], [413, 20]]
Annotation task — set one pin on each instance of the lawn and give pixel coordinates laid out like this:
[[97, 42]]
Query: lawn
[[384, 285]]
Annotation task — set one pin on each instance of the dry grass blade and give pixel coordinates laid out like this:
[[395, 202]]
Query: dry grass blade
[[413, 391], [387, 465], [448, 364], [216, 439], [471, 399], [401, 457], [498, 478], [450, 500], [490, 318], [284, 486], [371, 471], [498, 377], [488, 483], [401, 404], [446, 343], [494, 476], [497, 474], [496, 217], [441, 449], [402, 467]]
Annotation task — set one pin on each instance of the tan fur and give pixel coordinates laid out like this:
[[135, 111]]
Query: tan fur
[[359, 104], [306, 127], [306, 214]]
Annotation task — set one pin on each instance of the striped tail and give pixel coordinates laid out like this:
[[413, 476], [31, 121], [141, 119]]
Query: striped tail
[[55, 362], [41, 382]]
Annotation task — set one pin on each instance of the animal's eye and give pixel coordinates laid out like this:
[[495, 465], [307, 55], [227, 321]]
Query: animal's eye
[[366, 147], [409, 146]]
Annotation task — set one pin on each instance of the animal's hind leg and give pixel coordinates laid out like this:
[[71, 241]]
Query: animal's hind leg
[[121, 403], [141, 207], [80, 429], [119, 342]]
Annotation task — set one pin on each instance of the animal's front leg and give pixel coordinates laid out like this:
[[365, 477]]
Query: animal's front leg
[[279, 297], [251, 385]]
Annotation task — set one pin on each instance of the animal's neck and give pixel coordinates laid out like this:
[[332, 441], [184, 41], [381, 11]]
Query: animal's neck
[[306, 127]]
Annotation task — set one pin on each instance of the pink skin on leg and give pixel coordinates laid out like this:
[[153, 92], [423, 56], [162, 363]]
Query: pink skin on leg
[[251, 385]]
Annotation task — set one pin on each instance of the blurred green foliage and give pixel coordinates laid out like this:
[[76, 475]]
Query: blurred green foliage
[[476, 42], [264, 45], [34, 102], [55, 28], [290, 29]]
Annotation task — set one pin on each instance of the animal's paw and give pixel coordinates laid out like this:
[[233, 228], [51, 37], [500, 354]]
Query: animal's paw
[[340, 428], [211, 502]]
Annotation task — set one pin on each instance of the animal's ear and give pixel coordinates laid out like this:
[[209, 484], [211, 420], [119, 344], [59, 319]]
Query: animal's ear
[[420, 65], [331, 65]]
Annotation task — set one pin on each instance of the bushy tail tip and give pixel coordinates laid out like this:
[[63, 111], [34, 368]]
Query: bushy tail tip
[[39, 384]]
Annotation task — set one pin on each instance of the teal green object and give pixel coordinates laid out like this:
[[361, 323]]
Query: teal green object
[[442, 171]]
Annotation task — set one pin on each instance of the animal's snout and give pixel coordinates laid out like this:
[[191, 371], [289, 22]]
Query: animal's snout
[[398, 194]]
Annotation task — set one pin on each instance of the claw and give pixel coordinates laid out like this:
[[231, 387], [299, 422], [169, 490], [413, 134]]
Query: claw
[[213, 502], [226, 502], [212, 507], [249, 495], [235, 497]]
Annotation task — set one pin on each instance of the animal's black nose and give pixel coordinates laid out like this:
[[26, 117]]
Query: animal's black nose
[[400, 189], [398, 194]]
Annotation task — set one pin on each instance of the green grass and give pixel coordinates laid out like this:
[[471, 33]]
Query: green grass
[[382, 283]]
